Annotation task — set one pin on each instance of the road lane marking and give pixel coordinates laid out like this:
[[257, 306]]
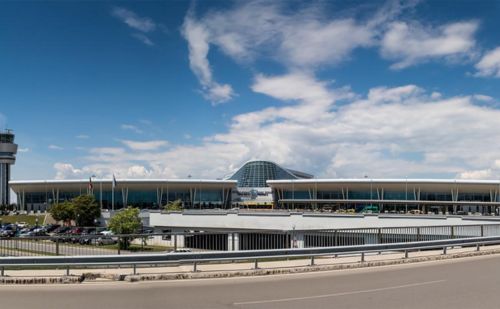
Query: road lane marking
[[396, 287]]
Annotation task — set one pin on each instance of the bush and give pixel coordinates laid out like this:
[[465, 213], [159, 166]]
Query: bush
[[174, 206]]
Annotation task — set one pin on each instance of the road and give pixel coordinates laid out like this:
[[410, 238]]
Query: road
[[462, 283]]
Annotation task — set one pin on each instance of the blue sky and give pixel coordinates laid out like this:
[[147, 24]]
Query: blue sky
[[175, 88]]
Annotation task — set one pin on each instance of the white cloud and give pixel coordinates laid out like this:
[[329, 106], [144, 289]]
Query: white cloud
[[130, 127], [312, 42], [390, 132], [412, 43], [491, 172], [483, 98], [304, 40], [144, 24], [24, 150], [138, 171], [307, 39], [489, 65], [197, 36], [144, 145], [397, 94], [478, 174], [55, 147], [83, 136], [66, 170], [143, 38]]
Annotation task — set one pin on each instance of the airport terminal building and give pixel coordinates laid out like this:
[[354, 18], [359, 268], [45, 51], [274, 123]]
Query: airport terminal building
[[246, 187], [264, 184]]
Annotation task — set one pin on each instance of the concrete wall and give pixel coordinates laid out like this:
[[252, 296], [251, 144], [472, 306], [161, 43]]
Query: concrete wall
[[301, 221]]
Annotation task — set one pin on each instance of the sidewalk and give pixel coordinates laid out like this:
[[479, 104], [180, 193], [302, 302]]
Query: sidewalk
[[215, 270]]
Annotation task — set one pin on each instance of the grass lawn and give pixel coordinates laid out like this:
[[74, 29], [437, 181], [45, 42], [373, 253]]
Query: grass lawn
[[30, 219]]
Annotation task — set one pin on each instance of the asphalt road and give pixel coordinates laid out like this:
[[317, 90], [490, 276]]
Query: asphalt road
[[463, 283]]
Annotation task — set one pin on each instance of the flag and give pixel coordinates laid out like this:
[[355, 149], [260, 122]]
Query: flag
[[114, 182], [91, 186]]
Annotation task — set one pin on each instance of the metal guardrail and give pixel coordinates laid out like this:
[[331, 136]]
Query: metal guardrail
[[252, 255]]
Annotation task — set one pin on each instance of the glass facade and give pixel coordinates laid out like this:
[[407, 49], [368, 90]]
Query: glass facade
[[137, 198], [398, 195], [474, 197], [435, 196], [361, 195], [330, 195], [254, 174], [388, 195], [299, 195], [7, 138]]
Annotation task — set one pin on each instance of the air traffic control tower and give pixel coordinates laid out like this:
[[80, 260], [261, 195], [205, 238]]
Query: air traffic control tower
[[8, 152]]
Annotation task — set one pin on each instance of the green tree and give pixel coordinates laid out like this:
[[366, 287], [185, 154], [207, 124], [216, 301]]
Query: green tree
[[174, 206], [126, 221], [64, 212], [86, 210]]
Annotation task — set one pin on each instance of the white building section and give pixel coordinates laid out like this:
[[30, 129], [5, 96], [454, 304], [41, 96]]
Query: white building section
[[300, 221]]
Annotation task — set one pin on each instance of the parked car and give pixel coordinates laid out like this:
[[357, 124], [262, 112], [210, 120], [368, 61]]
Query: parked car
[[22, 224], [87, 237], [9, 230], [51, 227], [107, 233], [74, 234], [105, 240], [60, 230]]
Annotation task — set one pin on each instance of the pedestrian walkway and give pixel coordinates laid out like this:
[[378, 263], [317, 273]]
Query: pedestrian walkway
[[216, 269]]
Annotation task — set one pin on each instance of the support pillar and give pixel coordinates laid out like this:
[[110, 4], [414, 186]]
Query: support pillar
[[297, 240], [233, 241]]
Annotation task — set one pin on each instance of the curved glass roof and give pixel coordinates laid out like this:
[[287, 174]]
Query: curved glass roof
[[254, 174]]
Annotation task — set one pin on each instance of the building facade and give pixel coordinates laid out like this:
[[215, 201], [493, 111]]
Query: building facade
[[388, 195], [284, 189], [151, 194]]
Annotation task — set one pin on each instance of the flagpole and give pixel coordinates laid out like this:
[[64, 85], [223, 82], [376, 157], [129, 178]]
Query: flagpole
[[113, 196]]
